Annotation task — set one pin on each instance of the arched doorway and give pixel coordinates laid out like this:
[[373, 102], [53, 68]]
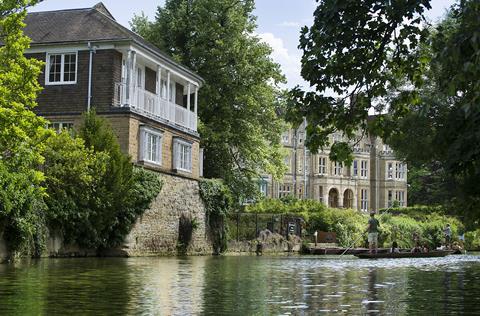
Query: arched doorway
[[333, 197], [348, 199]]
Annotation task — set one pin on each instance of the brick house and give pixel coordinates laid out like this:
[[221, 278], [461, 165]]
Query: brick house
[[150, 100], [93, 61]]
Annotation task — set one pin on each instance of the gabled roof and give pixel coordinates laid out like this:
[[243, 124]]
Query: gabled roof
[[85, 25]]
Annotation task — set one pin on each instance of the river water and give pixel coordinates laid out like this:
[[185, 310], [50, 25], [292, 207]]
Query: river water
[[244, 285]]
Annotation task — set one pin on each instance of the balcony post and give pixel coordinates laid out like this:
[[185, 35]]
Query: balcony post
[[169, 106], [128, 78], [159, 91], [130, 86], [195, 104], [188, 104]]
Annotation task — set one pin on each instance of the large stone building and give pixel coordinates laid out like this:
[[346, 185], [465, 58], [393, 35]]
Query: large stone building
[[375, 180], [150, 100]]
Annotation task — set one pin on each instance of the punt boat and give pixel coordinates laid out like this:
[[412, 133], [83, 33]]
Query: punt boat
[[430, 254]]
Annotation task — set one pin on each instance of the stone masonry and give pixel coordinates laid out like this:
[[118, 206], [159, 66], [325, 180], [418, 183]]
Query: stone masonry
[[156, 232]]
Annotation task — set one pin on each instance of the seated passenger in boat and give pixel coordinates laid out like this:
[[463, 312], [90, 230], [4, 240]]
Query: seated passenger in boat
[[394, 248], [416, 249], [425, 248], [457, 248]]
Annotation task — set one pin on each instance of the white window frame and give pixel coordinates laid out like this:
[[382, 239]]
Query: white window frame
[[364, 169], [61, 126], [263, 187], [285, 137], [322, 165], [355, 168], [144, 133], [364, 200], [178, 144], [389, 198], [62, 68], [400, 171], [400, 197], [337, 168], [320, 193], [140, 77], [389, 170]]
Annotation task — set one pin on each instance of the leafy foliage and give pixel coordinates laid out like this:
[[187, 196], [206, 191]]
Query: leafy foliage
[[73, 179], [472, 240], [218, 203], [377, 55], [21, 132], [349, 225], [238, 104], [357, 50], [439, 137], [94, 192]]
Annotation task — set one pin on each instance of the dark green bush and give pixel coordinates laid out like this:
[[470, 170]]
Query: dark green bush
[[94, 193]]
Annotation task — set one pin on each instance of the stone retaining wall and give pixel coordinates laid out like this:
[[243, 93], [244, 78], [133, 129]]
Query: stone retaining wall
[[156, 231], [271, 243]]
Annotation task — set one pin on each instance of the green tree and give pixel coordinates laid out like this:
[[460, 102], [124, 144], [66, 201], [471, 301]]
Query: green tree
[[377, 55], [239, 125], [354, 53], [95, 194], [21, 132], [74, 177]]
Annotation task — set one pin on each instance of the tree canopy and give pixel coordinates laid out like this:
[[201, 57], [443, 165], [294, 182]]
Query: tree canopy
[[383, 56], [240, 127], [21, 131], [354, 53]]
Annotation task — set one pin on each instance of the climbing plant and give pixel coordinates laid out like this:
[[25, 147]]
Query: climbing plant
[[218, 203]]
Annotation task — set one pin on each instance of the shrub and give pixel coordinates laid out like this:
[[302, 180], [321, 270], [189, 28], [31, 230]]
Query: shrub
[[472, 240], [218, 203], [398, 224], [94, 193]]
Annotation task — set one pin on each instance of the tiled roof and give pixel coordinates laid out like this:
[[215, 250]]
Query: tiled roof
[[82, 25]]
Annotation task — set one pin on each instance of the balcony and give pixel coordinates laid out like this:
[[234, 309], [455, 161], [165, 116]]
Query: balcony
[[154, 106]]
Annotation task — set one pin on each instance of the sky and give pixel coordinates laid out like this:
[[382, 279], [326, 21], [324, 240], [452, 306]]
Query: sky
[[279, 23]]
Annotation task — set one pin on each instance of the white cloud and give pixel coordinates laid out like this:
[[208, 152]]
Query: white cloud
[[290, 24], [289, 62]]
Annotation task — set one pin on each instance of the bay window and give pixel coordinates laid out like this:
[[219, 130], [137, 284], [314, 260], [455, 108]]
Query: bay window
[[182, 155], [150, 145]]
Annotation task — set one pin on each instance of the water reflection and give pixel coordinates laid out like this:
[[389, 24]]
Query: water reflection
[[241, 285]]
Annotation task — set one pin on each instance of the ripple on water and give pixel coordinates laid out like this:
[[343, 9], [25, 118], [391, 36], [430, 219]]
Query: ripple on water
[[248, 285]]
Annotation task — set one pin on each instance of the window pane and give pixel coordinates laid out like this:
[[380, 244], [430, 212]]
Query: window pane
[[154, 148], [69, 67], [55, 68]]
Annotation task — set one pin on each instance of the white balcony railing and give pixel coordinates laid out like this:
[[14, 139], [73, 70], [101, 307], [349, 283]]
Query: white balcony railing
[[153, 105]]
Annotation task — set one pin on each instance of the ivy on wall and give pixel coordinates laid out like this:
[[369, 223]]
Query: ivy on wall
[[218, 203]]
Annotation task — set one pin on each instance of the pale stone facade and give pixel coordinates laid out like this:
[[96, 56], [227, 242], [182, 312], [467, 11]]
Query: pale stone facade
[[375, 180]]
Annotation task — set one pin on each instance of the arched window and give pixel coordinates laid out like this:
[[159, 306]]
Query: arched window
[[348, 199], [333, 198]]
